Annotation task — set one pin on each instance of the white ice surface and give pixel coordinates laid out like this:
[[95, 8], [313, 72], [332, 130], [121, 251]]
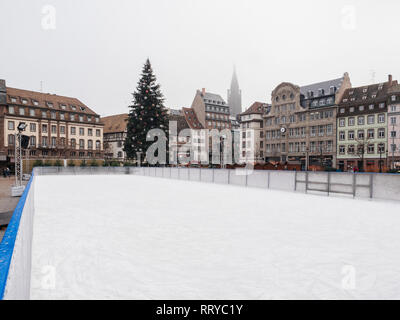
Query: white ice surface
[[152, 238]]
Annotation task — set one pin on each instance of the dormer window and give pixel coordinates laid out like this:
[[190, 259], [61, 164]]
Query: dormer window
[[393, 98], [351, 109], [364, 97], [365, 90], [373, 96], [371, 107], [35, 103], [361, 108], [351, 92], [380, 86], [321, 92], [332, 90], [73, 108], [97, 120], [352, 99], [50, 105], [382, 105], [63, 106], [13, 100], [345, 100], [24, 101], [82, 108]]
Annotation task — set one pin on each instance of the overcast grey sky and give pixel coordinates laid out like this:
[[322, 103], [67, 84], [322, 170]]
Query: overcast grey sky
[[94, 49]]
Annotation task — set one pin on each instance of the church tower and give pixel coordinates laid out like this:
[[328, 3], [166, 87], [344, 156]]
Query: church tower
[[235, 96]]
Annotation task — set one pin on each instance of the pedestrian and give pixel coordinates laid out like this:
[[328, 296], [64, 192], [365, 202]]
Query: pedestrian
[[4, 173], [8, 172]]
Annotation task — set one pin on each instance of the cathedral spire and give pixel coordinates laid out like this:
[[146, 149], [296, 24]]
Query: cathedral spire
[[235, 95]]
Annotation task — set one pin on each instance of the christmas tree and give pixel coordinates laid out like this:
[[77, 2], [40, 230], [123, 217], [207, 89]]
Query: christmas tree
[[147, 112]]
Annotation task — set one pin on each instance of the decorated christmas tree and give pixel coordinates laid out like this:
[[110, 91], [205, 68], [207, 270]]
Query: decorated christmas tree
[[147, 112]]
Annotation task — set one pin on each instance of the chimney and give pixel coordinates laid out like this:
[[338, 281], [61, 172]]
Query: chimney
[[3, 91], [390, 80], [203, 91]]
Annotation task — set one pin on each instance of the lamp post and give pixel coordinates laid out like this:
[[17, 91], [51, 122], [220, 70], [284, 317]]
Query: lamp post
[[307, 151]]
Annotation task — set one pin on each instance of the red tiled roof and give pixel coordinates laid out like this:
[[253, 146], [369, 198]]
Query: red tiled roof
[[115, 123], [256, 107], [43, 100], [192, 119]]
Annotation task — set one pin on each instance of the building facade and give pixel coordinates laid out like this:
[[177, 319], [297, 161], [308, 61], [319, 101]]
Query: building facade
[[114, 136], [300, 126], [362, 122], [252, 133], [394, 126], [235, 96], [59, 127], [211, 110]]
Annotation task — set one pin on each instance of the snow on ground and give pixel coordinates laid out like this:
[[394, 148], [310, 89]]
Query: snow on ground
[[136, 237]]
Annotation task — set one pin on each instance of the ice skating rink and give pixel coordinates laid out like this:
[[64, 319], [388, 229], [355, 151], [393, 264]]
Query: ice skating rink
[[135, 237]]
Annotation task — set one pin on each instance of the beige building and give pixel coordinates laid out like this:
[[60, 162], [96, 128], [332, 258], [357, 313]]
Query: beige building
[[114, 136], [252, 133], [59, 127], [300, 126]]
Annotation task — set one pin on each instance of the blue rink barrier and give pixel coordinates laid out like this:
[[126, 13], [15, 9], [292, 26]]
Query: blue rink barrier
[[7, 245]]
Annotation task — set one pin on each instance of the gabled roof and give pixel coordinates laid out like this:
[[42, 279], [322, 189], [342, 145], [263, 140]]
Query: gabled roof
[[325, 85], [43, 100], [191, 119], [256, 108], [212, 97], [369, 93], [115, 123]]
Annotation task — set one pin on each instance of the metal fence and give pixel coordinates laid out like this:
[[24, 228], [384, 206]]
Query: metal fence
[[358, 185]]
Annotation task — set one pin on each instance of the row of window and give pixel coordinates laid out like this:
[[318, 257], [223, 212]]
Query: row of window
[[361, 134], [48, 104], [360, 148], [52, 153], [315, 146], [351, 121], [217, 116], [52, 142], [53, 115], [217, 109], [32, 128]]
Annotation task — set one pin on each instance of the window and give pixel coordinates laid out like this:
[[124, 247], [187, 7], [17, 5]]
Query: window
[[393, 134], [62, 116], [393, 98], [393, 147], [98, 144], [54, 129], [50, 104], [72, 117], [381, 148], [97, 120], [341, 122], [329, 129], [381, 133], [393, 108], [313, 131], [22, 111], [90, 144], [62, 129], [11, 110], [32, 127], [371, 107], [32, 112], [53, 141], [342, 149], [350, 149], [350, 135], [44, 128], [44, 114], [351, 121], [381, 118], [119, 154], [321, 130], [371, 119], [393, 120], [361, 108], [81, 118], [97, 132], [32, 141], [341, 110], [11, 125], [81, 144], [360, 134], [53, 115], [81, 131], [351, 109], [44, 141], [73, 143], [73, 130], [360, 120], [381, 105], [24, 101], [371, 133], [341, 135], [11, 139], [371, 148]]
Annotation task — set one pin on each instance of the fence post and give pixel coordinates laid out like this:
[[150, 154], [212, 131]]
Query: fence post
[[371, 185], [229, 176], [295, 181], [329, 182], [306, 181], [246, 177], [354, 185], [269, 178], [213, 174]]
